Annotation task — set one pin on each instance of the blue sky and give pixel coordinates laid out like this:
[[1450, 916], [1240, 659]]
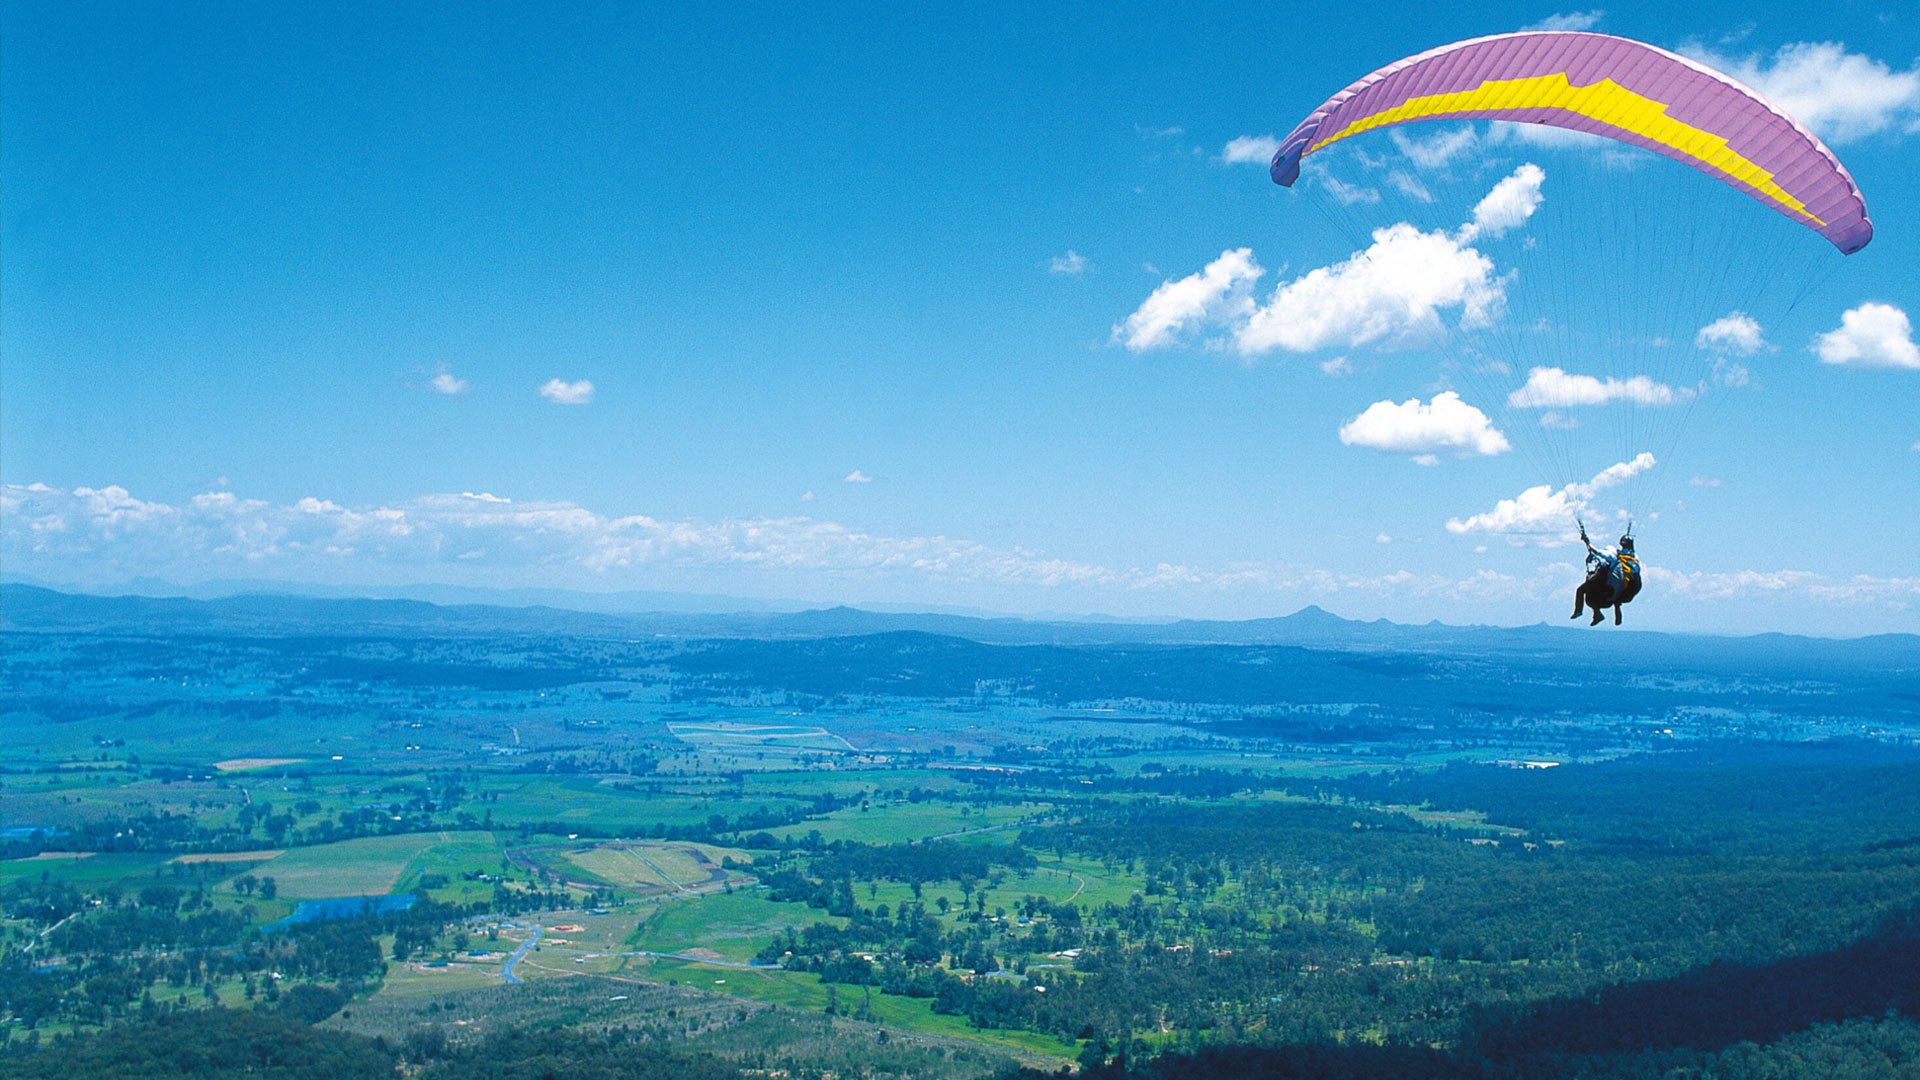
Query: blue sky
[[835, 305]]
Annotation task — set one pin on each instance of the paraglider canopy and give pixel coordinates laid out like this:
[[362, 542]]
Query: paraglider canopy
[[1612, 87]]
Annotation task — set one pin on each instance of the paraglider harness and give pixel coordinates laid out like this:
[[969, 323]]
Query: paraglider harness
[[1622, 569]]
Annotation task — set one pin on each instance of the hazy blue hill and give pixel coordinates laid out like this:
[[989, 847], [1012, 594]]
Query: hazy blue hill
[[27, 607]]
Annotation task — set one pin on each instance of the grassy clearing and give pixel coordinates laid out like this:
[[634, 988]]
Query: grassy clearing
[[90, 872], [247, 763], [228, 857], [598, 807], [375, 865], [803, 990], [641, 865], [734, 925], [418, 980], [903, 822]]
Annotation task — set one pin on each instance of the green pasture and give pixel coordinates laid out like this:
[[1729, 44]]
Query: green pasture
[[415, 980], [378, 865], [596, 807], [804, 990], [735, 925], [93, 871], [57, 801], [454, 854], [641, 865], [845, 782], [903, 822]]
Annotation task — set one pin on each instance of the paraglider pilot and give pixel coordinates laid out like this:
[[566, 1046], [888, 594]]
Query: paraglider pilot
[[1613, 578]]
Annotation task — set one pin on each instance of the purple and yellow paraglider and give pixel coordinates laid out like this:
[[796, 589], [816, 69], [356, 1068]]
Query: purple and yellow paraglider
[[1612, 87]]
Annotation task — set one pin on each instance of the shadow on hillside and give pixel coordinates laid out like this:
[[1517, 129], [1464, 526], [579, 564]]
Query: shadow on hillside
[[1718, 1005]]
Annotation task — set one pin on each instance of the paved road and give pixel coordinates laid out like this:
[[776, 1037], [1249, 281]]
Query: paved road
[[507, 971]]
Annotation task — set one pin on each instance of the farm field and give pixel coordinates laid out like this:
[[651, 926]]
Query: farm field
[[734, 926], [375, 866], [666, 866], [905, 822]]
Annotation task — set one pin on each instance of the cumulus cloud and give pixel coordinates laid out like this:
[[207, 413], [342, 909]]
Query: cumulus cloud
[[1508, 206], [1569, 20], [1072, 264], [561, 392], [1733, 334], [1394, 291], [1545, 516], [1841, 96], [446, 382], [1220, 293], [1250, 150], [1871, 335], [1552, 388], [1412, 427], [856, 477], [1397, 288]]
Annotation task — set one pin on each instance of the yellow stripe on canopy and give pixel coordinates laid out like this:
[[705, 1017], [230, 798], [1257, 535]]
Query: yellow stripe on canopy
[[1606, 101]]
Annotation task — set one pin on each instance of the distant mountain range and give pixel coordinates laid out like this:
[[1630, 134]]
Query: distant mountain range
[[29, 608]]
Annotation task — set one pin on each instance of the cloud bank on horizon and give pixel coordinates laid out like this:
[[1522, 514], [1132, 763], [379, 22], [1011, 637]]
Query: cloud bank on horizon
[[107, 535]]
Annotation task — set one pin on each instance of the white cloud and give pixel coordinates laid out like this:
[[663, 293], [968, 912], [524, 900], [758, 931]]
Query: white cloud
[[1569, 20], [1412, 427], [1409, 185], [106, 535], [1336, 367], [806, 496], [1705, 481], [1545, 517], [1552, 388], [856, 477], [446, 382], [1383, 538], [1898, 592], [1840, 96], [1072, 263], [1735, 333], [1728, 373], [1508, 206], [1347, 194], [1438, 150], [1871, 335], [1146, 132], [1219, 293], [1395, 289], [561, 392], [1250, 150]]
